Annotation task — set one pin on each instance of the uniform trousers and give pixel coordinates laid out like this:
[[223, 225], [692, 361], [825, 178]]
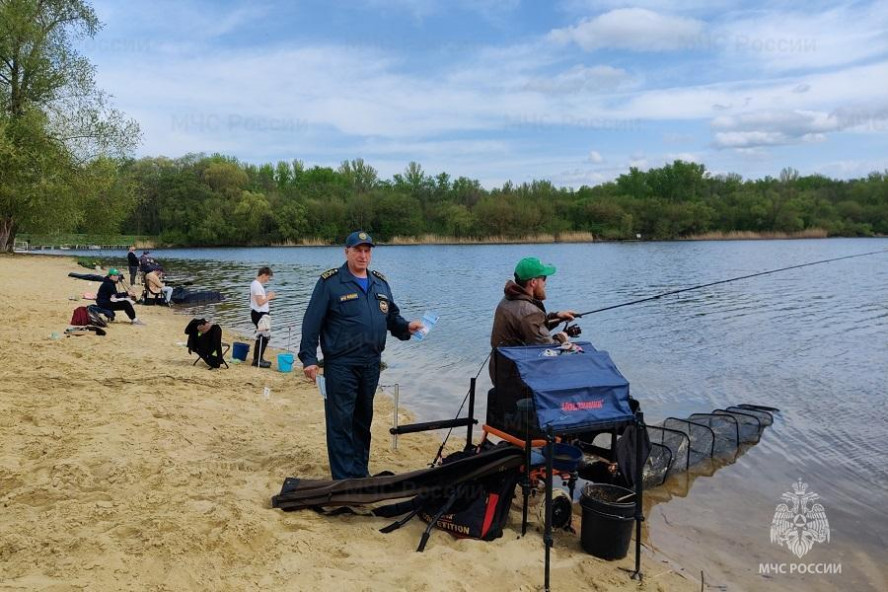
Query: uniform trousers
[[348, 409]]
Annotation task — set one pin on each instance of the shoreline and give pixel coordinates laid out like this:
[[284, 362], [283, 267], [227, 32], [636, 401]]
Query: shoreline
[[436, 240], [124, 465]]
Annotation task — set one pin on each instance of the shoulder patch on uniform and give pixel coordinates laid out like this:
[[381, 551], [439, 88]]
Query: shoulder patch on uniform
[[379, 275], [329, 273]]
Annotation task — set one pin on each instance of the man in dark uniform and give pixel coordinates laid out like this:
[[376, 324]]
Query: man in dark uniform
[[350, 311]]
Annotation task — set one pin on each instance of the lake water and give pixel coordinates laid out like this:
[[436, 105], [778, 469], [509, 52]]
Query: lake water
[[811, 341]]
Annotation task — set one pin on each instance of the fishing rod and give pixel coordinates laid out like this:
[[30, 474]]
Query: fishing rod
[[734, 279]]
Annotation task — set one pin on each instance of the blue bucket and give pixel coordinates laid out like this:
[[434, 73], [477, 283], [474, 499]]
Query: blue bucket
[[239, 351], [285, 362]]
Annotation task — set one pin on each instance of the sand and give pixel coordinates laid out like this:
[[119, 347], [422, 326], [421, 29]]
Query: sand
[[125, 467]]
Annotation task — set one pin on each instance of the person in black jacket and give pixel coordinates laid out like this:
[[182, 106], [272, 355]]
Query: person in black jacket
[[132, 260], [110, 299]]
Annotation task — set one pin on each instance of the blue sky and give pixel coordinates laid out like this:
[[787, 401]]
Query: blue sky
[[574, 91]]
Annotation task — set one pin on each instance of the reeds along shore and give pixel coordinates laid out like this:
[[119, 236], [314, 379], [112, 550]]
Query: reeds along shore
[[125, 467], [565, 237]]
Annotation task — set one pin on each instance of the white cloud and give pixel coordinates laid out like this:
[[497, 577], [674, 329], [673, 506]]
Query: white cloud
[[673, 6], [806, 39], [422, 9], [757, 139], [633, 29], [181, 20], [578, 176], [597, 79], [853, 168], [782, 127], [595, 157], [671, 157], [792, 122]]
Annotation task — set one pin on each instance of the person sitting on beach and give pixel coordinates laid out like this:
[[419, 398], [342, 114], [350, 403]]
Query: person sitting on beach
[[521, 317], [154, 283], [110, 299]]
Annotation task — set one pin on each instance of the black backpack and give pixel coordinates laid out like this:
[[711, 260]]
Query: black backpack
[[96, 316]]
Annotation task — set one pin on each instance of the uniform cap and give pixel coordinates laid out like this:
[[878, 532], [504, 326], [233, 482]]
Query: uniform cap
[[359, 237], [531, 267]]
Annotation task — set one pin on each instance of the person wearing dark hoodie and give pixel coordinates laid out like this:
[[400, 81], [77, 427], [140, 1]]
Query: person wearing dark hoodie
[[110, 299], [521, 317]]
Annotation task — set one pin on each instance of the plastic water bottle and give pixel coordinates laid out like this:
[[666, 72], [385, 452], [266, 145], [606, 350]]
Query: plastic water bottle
[[266, 393], [322, 385], [429, 319]]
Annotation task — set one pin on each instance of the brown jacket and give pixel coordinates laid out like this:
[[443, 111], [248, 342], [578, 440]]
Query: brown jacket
[[155, 284], [520, 320]]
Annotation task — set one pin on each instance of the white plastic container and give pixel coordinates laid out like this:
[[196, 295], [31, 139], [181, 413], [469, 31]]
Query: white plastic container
[[429, 320], [322, 385]]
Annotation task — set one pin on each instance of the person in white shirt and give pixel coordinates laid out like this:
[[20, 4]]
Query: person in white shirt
[[259, 308]]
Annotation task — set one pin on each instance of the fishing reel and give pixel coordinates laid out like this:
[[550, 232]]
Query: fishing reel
[[572, 330]]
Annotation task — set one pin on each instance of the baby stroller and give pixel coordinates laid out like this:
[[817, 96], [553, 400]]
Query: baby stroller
[[205, 340]]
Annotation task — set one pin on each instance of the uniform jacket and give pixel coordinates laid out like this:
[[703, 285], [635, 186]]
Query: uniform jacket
[[351, 325], [520, 319]]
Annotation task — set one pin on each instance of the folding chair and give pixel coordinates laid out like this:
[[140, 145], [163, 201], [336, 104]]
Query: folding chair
[[207, 344], [151, 298]]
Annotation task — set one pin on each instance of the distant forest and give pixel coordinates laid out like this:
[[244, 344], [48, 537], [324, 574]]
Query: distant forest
[[200, 200]]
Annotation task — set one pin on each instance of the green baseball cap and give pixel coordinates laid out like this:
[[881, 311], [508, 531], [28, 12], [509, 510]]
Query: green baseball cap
[[531, 267], [113, 271]]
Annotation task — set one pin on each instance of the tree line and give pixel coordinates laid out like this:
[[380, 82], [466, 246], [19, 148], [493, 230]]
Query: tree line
[[216, 200], [64, 169]]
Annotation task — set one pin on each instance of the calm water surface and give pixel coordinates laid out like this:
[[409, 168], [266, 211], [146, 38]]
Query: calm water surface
[[811, 341]]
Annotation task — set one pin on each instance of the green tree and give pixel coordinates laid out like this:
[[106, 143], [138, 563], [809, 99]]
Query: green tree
[[358, 175], [253, 217], [292, 221], [52, 117]]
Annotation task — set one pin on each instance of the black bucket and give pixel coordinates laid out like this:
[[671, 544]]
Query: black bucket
[[607, 522]]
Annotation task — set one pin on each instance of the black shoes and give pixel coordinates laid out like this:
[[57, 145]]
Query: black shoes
[[261, 363]]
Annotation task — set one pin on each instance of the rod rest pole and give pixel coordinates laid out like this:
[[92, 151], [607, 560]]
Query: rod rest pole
[[425, 426], [469, 434], [639, 489]]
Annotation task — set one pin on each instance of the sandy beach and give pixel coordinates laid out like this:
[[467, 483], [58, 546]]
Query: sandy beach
[[125, 467]]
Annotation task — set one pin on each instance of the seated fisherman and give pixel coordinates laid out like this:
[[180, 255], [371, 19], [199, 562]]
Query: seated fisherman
[[110, 299], [521, 317], [155, 285]]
